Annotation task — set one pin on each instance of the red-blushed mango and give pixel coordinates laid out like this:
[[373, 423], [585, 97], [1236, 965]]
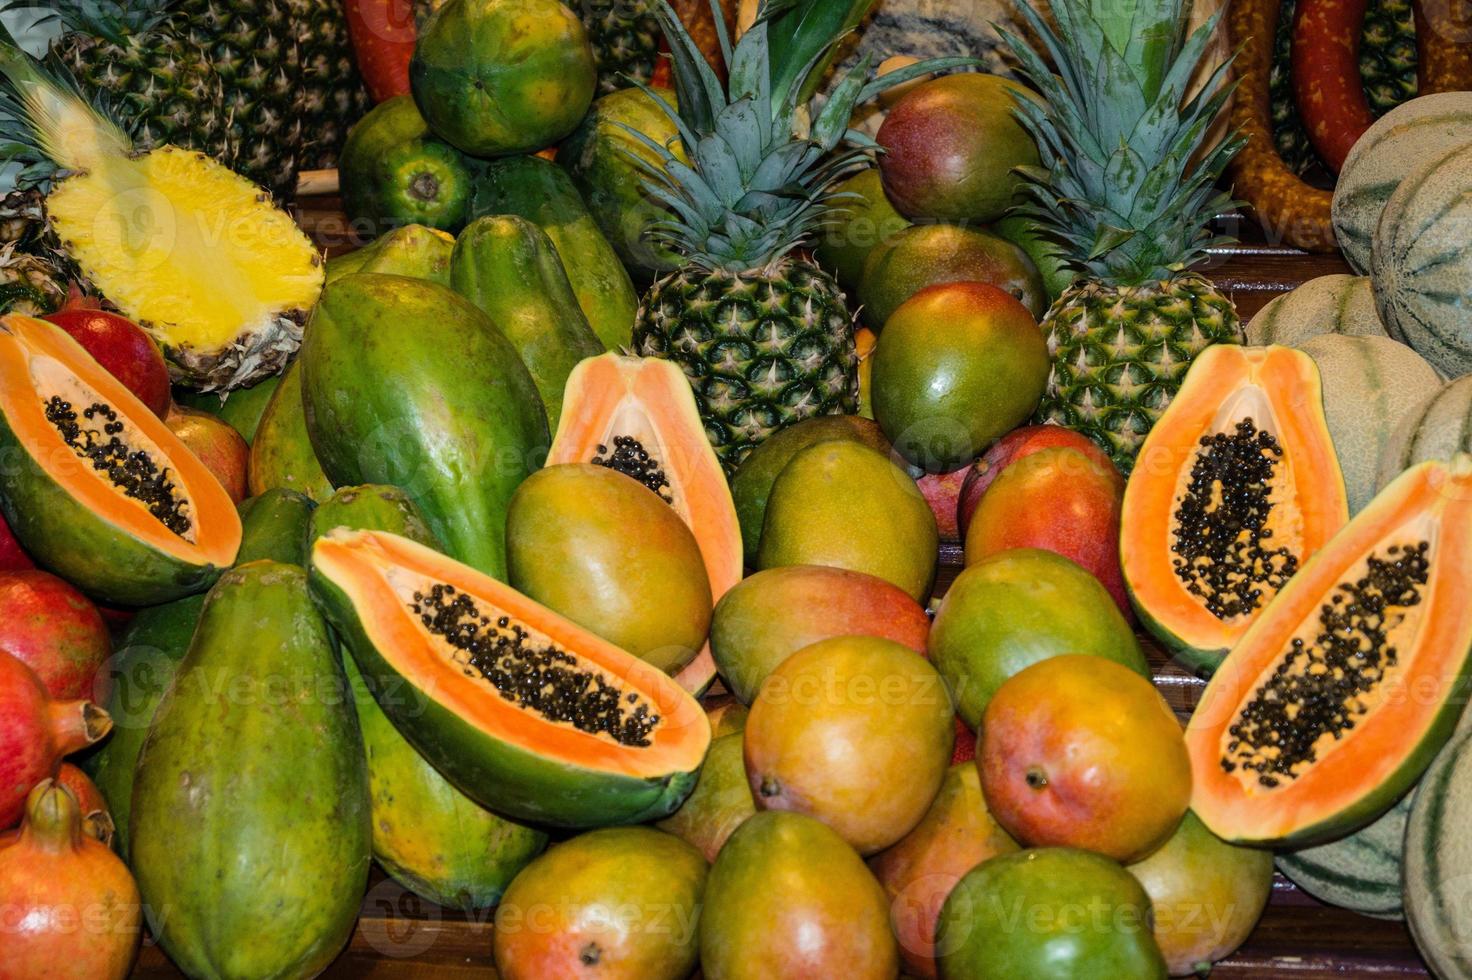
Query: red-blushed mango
[[857, 732], [956, 834], [1206, 895], [773, 614], [844, 505], [1060, 500], [951, 146], [958, 366], [1077, 751], [1009, 449], [928, 255], [621, 903], [220, 448], [720, 802], [787, 899]]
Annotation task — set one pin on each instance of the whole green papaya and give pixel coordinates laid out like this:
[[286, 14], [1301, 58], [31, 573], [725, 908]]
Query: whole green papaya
[[250, 823], [281, 455], [414, 250], [406, 383], [508, 267], [601, 155], [141, 670], [541, 192], [427, 835], [394, 172], [274, 525]]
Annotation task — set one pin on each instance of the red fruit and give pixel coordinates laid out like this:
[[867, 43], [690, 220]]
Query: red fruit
[[96, 819], [122, 347], [1059, 500], [54, 630], [1007, 450], [219, 447], [12, 556], [965, 749], [72, 908], [36, 732], [942, 491]]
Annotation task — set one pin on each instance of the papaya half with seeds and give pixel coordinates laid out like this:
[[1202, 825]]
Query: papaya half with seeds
[[94, 484], [1235, 488], [407, 384], [637, 415], [525, 712], [1341, 692]]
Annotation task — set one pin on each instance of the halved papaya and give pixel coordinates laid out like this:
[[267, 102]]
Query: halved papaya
[[525, 712], [637, 415], [1340, 693], [1234, 489], [94, 484]]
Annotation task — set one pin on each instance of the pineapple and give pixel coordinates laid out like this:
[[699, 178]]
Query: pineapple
[[764, 335], [625, 39], [197, 255], [1127, 187], [333, 93]]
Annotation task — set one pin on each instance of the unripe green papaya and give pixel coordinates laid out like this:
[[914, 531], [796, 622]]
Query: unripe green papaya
[[406, 383], [414, 251], [274, 525], [281, 455], [427, 835], [541, 192], [394, 172], [509, 268], [250, 824]]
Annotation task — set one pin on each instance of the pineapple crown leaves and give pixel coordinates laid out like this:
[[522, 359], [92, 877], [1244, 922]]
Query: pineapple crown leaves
[[48, 122], [761, 170], [1125, 182], [112, 20]]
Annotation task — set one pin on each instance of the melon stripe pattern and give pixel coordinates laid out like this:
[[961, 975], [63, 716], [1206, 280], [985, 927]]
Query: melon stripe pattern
[[1438, 428], [1439, 863], [1329, 304], [1421, 262], [1396, 144], [1360, 872]]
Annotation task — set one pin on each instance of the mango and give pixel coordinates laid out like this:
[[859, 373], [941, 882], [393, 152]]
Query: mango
[[926, 255], [720, 802]]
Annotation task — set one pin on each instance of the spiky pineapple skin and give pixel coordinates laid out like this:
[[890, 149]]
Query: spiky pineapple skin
[[624, 35], [334, 96], [762, 350], [1120, 354]]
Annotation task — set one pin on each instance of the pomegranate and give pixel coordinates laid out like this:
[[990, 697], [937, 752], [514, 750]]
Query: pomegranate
[[36, 732], [56, 631], [122, 347], [220, 448], [12, 556], [96, 820], [72, 908]]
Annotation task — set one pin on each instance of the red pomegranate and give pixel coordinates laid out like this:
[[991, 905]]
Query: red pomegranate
[[1010, 448], [12, 556], [56, 631], [36, 733], [96, 818], [220, 448], [73, 910], [965, 748], [122, 347]]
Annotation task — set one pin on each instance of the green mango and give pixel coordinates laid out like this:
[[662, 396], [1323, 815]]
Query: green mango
[[140, 671], [414, 250], [274, 526], [541, 192], [429, 837], [394, 172], [241, 409], [250, 835], [601, 157], [509, 268], [406, 383], [282, 455]]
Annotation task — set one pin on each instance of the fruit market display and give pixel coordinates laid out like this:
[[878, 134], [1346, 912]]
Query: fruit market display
[[721, 514]]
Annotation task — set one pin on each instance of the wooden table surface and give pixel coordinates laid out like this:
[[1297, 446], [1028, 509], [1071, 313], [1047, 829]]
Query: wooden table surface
[[401, 937]]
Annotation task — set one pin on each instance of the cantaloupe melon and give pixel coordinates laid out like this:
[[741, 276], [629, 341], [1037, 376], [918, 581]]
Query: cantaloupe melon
[[1329, 304], [1439, 427]]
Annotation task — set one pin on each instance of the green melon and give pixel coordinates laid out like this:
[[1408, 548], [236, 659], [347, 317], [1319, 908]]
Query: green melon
[[1370, 385], [1401, 139], [1437, 428], [1329, 304], [1360, 872], [1421, 262], [1438, 862]]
